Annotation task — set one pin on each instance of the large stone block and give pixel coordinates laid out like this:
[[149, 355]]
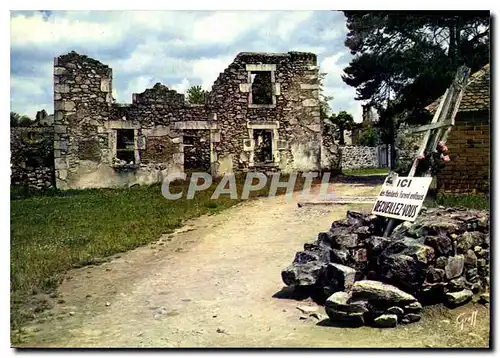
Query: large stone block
[[260, 67], [244, 87], [58, 128], [60, 71], [311, 102], [306, 86], [61, 88], [69, 105], [454, 267]]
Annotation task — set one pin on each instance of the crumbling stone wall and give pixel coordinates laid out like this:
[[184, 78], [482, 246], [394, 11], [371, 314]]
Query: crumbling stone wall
[[32, 159], [293, 116], [442, 257], [406, 145], [82, 99], [359, 157], [196, 150], [89, 126], [331, 153]]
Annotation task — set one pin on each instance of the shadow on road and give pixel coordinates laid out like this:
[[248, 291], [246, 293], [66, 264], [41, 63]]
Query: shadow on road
[[359, 179]]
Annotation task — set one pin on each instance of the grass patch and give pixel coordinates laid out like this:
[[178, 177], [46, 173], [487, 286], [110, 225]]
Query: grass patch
[[366, 171], [466, 201], [54, 231]]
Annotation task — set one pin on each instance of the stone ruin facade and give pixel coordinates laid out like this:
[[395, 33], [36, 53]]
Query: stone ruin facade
[[262, 113]]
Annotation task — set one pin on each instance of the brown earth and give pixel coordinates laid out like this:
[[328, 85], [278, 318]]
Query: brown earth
[[217, 283]]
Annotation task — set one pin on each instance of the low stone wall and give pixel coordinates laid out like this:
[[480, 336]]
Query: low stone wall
[[359, 157], [32, 158], [364, 278], [407, 145]]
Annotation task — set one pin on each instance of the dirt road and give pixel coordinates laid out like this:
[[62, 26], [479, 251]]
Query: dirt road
[[212, 285]]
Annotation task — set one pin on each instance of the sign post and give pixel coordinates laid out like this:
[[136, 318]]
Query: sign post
[[436, 132], [402, 197]]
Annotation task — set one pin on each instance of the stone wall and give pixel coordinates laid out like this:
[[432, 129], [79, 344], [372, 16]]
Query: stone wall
[[32, 160], [406, 147], [82, 102], [331, 153], [359, 157], [469, 150], [442, 257], [293, 116], [90, 127]]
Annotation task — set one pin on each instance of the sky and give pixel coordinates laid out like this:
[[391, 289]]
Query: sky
[[177, 48]]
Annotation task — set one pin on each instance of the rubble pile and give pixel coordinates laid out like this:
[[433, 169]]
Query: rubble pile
[[364, 278]]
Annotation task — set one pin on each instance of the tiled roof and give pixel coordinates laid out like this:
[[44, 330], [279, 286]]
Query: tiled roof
[[476, 95]]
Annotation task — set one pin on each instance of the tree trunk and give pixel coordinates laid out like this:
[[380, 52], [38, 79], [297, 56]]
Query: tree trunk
[[392, 140], [341, 136]]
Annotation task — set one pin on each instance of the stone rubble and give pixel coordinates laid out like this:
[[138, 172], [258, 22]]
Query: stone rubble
[[366, 279]]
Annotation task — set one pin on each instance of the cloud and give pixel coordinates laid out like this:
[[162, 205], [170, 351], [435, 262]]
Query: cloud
[[177, 48]]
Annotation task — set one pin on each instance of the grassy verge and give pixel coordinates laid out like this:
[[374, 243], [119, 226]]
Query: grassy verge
[[54, 231], [367, 171], [466, 201]]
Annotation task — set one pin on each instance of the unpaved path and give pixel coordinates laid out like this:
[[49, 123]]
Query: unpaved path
[[212, 285]]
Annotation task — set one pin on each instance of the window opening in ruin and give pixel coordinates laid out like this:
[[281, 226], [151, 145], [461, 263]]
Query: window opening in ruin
[[125, 145], [188, 140], [262, 87], [263, 152]]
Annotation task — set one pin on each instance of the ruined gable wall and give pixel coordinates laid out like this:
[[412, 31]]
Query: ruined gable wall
[[82, 99], [87, 121], [296, 111]]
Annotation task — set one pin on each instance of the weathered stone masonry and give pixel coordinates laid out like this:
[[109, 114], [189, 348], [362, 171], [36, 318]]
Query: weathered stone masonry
[[98, 143], [32, 159]]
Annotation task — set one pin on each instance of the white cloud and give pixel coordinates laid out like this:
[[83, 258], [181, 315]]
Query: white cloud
[[33, 30], [290, 21], [343, 95], [208, 69], [226, 26], [183, 86], [154, 48]]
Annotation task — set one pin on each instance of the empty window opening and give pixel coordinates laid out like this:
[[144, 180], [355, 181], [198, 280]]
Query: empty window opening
[[125, 145], [263, 152], [262, 87], [188, 140]]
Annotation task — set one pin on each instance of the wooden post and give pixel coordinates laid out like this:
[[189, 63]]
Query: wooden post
[[442, 119]]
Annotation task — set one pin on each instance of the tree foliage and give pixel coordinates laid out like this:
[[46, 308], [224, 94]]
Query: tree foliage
[[17, 120], [324, 107], [337, 123], [368, 137], [196, 95], [405, 60]]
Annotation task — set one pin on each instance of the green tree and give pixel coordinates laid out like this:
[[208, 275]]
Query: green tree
[[17, 120], [404, 60], [338, 123], [408, 59], [14, 119], [196, 95], [368, 137], [324, 106]]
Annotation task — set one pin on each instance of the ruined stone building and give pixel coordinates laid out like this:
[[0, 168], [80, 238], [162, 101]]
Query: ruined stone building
[[262, 113]]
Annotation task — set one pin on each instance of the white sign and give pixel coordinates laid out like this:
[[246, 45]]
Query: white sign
[[402, 197]]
